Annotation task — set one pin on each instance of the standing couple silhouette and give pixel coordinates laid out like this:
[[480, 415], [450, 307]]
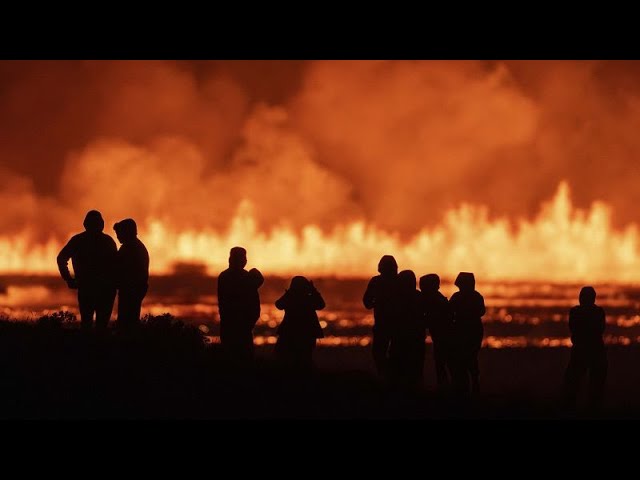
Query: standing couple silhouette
[[100, 269]]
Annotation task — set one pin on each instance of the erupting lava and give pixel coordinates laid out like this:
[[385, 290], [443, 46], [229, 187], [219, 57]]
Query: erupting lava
[[560, 244]]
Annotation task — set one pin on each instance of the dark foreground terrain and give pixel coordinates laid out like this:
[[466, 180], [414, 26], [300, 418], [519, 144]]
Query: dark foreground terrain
[[165, 369]]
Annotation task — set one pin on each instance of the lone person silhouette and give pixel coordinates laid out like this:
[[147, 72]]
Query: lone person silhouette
[[92, 255], [588, 353], [440, 323], [381, 296], [300, 327], [132, 273], [238, 305], [467, 306]]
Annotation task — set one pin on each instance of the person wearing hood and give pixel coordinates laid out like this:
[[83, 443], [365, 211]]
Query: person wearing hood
[[238, 305], [299, 329], [588, 353], [380, 296], [467, 308], [93, 257]]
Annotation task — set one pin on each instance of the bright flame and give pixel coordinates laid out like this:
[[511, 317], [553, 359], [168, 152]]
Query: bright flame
[[560, 244]]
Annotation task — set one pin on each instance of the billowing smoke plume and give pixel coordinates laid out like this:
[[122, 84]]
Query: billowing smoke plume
[[395, 143]]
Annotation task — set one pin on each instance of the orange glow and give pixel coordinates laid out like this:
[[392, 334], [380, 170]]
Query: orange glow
[[560, 244]]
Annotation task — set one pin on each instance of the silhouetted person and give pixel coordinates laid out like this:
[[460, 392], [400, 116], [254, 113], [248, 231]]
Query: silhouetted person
[[588, 353], [238, 305], [467, 307], [408, 333], [92, 255], [300, 327], [132, 273], [439, 320], [381, 296]]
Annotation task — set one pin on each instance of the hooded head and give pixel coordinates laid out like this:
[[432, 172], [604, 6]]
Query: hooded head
[[299, 285], [387, 266], [237, 258], [126, 230], [587, 296], [407, 281], [466, 281], [430, 283], [93, 221]]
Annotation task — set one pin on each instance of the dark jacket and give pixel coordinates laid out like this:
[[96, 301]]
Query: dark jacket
[[93, 256], [300, 317], [133, 266], [238, 298], [587, 323]]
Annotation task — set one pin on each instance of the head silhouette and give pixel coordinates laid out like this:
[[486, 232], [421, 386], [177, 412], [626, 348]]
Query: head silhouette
[[387, 265], [237, 258], [299, 285], [126, 230], [466, 281], [93, 221], [407, 281], [256, 277], [587, 296], [430, 283]]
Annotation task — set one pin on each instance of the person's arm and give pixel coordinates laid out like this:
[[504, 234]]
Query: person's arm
[[369, 295], [316, 298], [447, 311], [145, 263], [453, 307], [63, 259], [282, 302], [222, 294], [572, 321], [424, 310], [602, 321], [481, 308]]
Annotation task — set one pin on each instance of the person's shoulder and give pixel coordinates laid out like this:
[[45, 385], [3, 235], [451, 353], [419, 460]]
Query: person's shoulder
[[575, 309], [78, 237], [107, 238], [141, 246], [441, 297]]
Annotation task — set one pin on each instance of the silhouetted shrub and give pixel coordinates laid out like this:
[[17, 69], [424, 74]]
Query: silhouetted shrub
[[166, 325], [56, 319]]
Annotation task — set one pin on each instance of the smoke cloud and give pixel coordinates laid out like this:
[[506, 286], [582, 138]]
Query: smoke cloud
[[396, 143]]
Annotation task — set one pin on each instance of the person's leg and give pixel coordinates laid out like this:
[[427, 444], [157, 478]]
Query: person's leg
[[419, 362], [439, 358], [86, 305], [474, 371], [311, 346], [597, 379], [137, 306], [474, 366], [380, 349], [124, 308], [572, 377], [459, 369], [105, 307]]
